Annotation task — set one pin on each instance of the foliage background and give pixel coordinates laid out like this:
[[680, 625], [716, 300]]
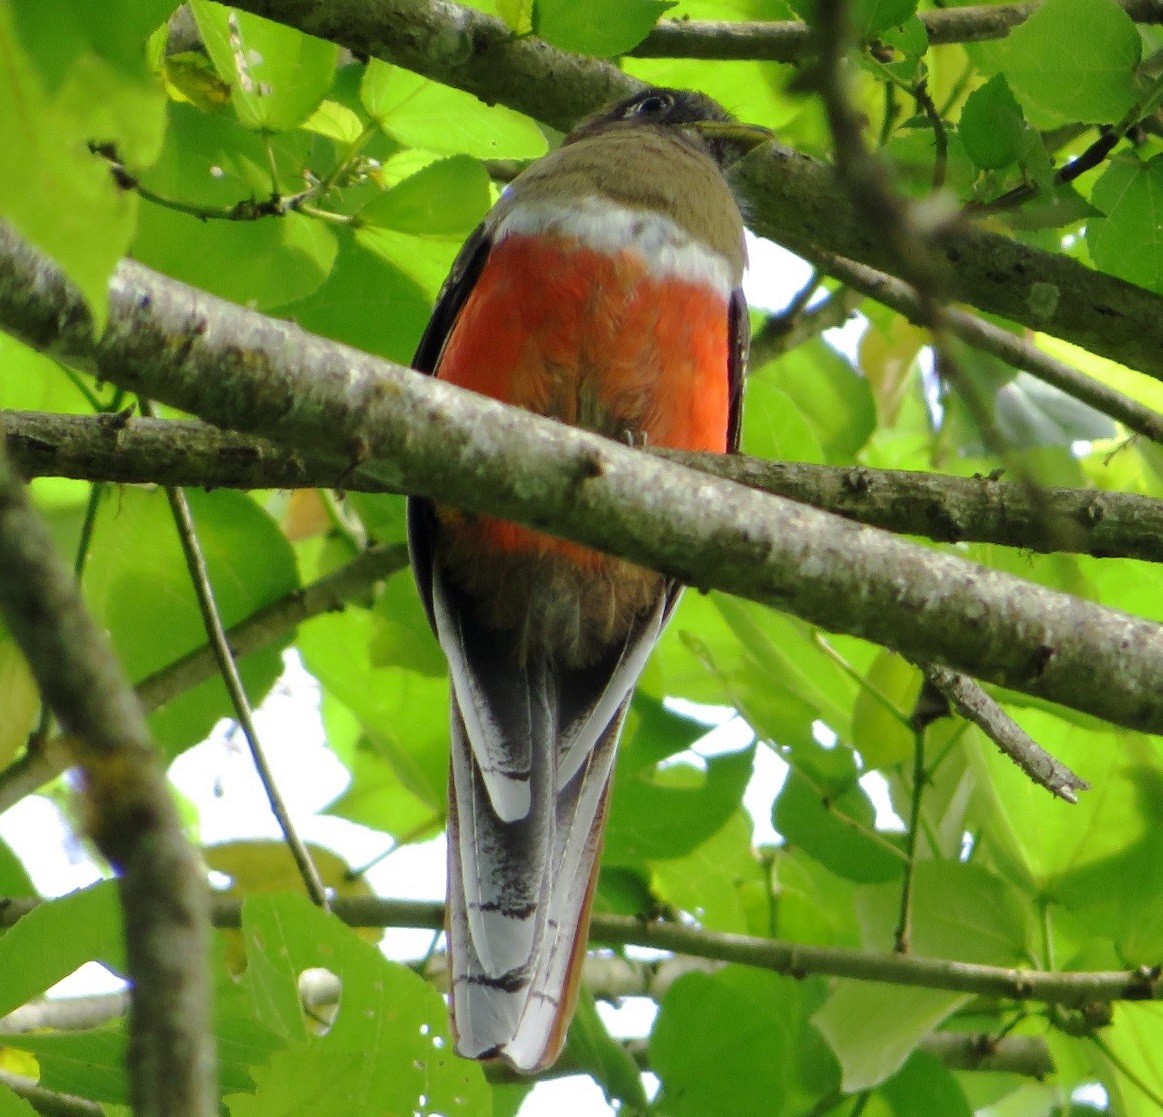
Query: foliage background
[[279, 171]]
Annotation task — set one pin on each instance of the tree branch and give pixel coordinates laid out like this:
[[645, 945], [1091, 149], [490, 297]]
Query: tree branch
[[1009, 347], [131, 816], [791, 40], [244, 370], [49, 1103], [791, 198], [608, 977], [973, 704], [1070, 988], [947, 509]]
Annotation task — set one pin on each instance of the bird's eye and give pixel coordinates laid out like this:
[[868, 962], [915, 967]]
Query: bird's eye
[[652, 104]]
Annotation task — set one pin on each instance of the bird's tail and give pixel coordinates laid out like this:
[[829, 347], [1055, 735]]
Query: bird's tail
[[520, 893]]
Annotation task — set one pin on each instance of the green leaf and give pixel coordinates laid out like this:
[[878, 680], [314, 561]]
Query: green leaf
[[308, 1078], [871, 17], [425, 114], [960, 912], [881, 736], [64, 87], [753, 89], [365, 302], [448, 198], [403, 714], [402, 636], [786, 681], [992, 127], [836, 401], [335, 121], [923, 1087], [379, 799], [211, 161], [813, 904], [425, 260], [19, 700], [390, 1040], [726, 1043], [904, 1017], [1119, 897], [654, 732], [1128, 241], [30, 381], [774, 427], [1072, 61], [1136, 1041], [602, 28], [1038, 839], [57, 937], [837, 830], [14, 879], [277, 75], [721, 883], [666, 813], [594, 1051], [136, 569], [910, 38], [87, 1064], [517, 14]]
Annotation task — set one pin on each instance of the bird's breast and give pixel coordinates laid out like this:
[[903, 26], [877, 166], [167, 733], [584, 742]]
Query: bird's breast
[[603, 317], [606, 318]]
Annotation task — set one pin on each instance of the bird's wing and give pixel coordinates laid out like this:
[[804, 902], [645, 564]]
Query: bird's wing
[[738, 345]]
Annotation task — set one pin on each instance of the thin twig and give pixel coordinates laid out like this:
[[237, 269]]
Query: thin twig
[[923, 716], [329, 594], [781, 334], [791, 40], [989, 338], [1109, 138], [49, 1103], [608, 977], [200, 576], [895, 220], [924, 99], [246, 209], [973, 704], [1071, 988]]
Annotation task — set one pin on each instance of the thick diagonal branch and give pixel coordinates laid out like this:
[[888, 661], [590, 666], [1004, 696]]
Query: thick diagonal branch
[[240, 369]]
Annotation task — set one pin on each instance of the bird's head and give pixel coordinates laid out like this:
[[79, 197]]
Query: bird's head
[[692, 117]]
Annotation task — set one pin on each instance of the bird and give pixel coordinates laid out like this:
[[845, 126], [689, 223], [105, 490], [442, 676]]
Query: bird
[[604, 290]]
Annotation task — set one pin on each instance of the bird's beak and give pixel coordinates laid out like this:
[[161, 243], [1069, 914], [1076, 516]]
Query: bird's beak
[[731, 140]]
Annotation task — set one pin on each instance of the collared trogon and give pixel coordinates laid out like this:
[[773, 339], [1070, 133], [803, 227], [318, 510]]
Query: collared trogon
[[603, 290]]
